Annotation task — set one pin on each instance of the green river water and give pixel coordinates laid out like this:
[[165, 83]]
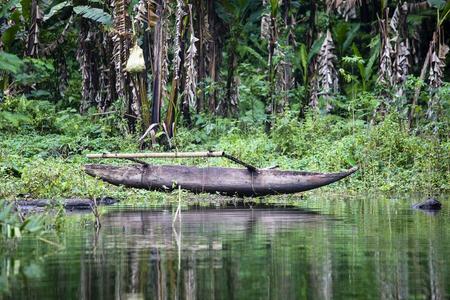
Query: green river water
[[326, 248]]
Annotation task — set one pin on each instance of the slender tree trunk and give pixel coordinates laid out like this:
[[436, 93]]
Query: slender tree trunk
[[423, 73], [63, 72], [86, 54], [176, 83], [232, 64], [176, 79], [284, 73], [365, 13], [170, 116], [33, 31], [148, 58], [129, 115], [121, 51], [143, 99], [213, 54], [312, 24], [184, 105], [200, 16], [270, 105], [108, 74], [157, 61]]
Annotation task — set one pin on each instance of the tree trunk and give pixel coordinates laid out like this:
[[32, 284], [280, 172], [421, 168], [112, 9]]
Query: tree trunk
[[185, 104], [121, 51], [157, 61], [200, 28], [213, 54], [176, 79], [232, 64], [89, 65], [312, 24], [33, 31], [423, 73], [108, 74]]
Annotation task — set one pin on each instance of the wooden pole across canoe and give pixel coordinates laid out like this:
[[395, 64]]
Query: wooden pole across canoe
[[158, 154], [136, 156]]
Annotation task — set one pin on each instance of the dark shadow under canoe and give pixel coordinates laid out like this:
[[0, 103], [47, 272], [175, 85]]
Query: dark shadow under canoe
[[227, 181]]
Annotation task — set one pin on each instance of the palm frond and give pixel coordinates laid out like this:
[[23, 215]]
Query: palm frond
[[146, 12], [33, 31], [122, 43], [345, 8], [385, 70], [10, 62], [94, 14], [179, 15], [326, 80], [191, 71], [54, 10]]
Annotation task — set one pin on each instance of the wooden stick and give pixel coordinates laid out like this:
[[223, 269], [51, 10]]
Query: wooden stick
[[136, 156], [238, 161], [138, 161], [158, 155], [105, 113]]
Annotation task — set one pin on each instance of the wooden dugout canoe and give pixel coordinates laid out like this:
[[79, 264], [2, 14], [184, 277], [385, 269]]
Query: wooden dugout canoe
[[228, 181]]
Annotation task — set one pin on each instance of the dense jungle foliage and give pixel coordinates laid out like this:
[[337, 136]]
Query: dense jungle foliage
[[317, 85]]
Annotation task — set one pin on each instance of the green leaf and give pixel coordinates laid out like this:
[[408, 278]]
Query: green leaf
[[351, 161], [10, 62], [340, 31], [5, 8], [26, 9], [15, 119], [274, 7], [24, 224], [304, 61], [5, 212], [9, 35], [94, 14], [350, 37], [437, 3], [244, 49], [315, 48], [375, 51], [57, 8], [360, 63], [33, 224]]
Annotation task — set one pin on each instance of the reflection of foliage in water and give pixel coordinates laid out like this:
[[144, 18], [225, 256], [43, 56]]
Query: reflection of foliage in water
[[360, 248], [27, 239], [14, 225]]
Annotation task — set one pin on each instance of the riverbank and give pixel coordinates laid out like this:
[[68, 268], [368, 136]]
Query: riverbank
[[43, 152]]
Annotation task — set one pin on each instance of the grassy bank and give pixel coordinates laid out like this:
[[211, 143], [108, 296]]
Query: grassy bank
[[42, 151]]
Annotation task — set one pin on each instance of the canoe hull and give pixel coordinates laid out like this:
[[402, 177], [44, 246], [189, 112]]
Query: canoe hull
[[228, 181]]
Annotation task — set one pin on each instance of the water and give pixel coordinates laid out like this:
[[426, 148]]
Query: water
[[366, 248]]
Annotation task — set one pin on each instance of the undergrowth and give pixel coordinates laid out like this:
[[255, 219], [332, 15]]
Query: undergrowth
[[42, 152]]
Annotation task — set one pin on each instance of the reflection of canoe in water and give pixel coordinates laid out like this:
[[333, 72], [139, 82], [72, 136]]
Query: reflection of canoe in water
[[201, 220], [229, 181]]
